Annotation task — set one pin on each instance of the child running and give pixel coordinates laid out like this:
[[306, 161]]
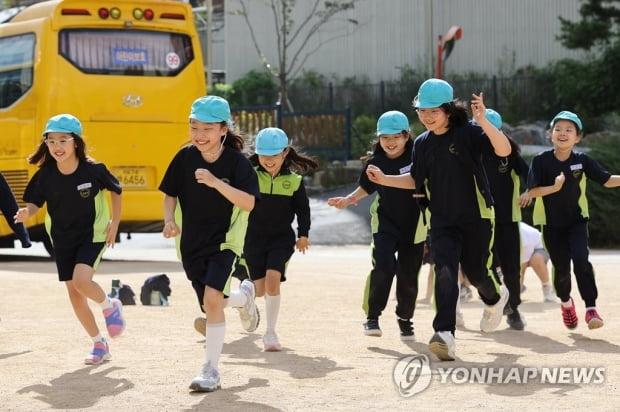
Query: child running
[[448, 177], [9, 207], [270, 240], [78, 222], [215, 186], [398, 231], [558, 177]]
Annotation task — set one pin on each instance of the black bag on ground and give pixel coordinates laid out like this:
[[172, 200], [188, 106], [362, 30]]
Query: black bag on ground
[[159, 283], [126, 295]]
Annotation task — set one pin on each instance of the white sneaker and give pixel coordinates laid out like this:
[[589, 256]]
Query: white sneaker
[[492, 315], [443, 346], [549, 295], [270, 342], [208, 380], [250, 317]]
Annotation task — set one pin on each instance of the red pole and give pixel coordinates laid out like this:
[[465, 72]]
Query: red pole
[[439, 58]]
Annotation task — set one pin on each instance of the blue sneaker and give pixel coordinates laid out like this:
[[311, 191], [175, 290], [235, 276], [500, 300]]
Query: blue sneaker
[[100, 353], [114, 320]]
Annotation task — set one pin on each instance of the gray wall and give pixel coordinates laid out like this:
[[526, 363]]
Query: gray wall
[[497, 34]]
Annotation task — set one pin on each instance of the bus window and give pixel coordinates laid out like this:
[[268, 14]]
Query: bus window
[[122, 52], [16, 56]]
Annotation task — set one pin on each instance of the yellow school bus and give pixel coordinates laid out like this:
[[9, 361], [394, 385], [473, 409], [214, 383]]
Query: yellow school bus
[[129, 70]]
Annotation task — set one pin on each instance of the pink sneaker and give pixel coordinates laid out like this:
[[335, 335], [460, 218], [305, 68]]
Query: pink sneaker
[[593, 319], [270, 341], [114, 318], [100, 353], [569, 315]]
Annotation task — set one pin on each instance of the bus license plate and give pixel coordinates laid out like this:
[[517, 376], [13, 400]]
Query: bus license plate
[[136, 177]]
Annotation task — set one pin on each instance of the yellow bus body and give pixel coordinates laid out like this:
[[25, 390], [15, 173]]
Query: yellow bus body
[[130, 81]]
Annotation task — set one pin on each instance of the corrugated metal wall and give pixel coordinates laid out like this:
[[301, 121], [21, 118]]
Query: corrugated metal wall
[[497, 35]]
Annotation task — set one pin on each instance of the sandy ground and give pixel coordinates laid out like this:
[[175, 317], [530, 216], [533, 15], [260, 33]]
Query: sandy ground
[[327, 363]]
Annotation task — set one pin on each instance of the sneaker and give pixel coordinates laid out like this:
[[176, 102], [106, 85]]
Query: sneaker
[[569, 315], [406, 329], [465, 293], [249, 314], [371, 328], [492, 315], [548, 294], [200, 324], [208, 380], [593, 319], [100, 353], [114, 320], [514, 320], [443, 346], [271, 342]]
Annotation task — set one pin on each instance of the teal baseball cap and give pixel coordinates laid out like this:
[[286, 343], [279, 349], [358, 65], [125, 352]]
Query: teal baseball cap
[[566, 115], [63, 123], [271, 141], [433, 93], [210, 109], [392, 122], [494, 117]]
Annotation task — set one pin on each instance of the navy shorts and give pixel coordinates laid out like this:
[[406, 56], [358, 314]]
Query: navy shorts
[[87, 254], [258, 262], [214, 271]]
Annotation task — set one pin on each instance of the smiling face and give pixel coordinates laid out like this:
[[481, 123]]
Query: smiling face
[[564, 135], [207, 137], [273, 164], [393, 144], [435, 120], [61, 146]]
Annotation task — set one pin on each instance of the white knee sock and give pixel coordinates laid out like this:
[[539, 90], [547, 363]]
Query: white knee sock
[[214, 338], [272, 309]]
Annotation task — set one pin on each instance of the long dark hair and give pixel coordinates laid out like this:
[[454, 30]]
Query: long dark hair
[[42, 155], [376, 148], [457, 112], [295, 161]]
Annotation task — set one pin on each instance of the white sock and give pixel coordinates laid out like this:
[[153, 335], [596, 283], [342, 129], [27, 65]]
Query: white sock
[[567, 304], [106, 304], [236, 299], [97, 338], [590, 307], [214, 339], [272, 309]]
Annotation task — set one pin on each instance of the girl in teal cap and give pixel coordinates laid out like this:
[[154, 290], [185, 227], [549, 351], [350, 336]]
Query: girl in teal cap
[[398, 231], [270, 240], [78, 222], [557, 179]]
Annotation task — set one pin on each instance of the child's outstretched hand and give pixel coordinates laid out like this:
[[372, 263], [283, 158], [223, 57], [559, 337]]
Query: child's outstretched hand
[[341, 202], [302, 244], [21, 216]]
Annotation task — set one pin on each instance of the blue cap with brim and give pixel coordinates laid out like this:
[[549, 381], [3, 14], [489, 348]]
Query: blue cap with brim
[[271, 141], [566, 115], [433, 93], [494, 118], [63, 123], [210, 109], [392, 122]]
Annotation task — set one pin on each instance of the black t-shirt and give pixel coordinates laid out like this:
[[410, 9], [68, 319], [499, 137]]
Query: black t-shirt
[[569, 205], [451, 162], [77, 210], [210, 221], [504, 174], [394, 210]]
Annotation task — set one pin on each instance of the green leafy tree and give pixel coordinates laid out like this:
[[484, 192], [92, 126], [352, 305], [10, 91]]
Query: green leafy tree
[[293, 38], [599, 25]]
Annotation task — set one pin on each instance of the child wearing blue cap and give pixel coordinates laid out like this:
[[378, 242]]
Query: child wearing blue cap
[[557, 179], [270, 240], [79, 222], [448, 178], [398, 229], [215, 187]]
